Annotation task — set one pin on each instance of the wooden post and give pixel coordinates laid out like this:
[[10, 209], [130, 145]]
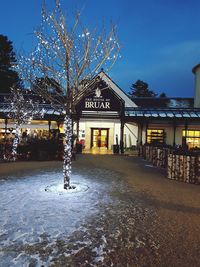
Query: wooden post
[[174, 134], [58, 126], [184, 141], [146, 132], [77, 129], [49, 124], [140, 128], [122, 112], [6, 127], [122, 136]]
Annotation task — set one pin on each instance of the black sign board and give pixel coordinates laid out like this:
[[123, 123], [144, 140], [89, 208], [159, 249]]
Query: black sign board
[[101, 98]]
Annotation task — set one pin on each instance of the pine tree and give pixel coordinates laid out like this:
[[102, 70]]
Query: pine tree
[[163, 95], [141, 89], [8, 77]]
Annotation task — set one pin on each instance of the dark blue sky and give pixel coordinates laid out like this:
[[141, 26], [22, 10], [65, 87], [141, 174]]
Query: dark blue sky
[[160, 38]]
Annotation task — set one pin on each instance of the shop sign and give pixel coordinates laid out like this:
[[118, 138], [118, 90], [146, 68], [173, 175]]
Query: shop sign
[[98, 101]]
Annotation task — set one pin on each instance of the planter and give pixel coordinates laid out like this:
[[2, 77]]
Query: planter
[[79, 148], [116, 149]]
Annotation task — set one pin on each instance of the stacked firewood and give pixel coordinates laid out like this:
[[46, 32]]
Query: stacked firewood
[[185, 168], [198, 169], [180, 166], [142, 151], [162, 154], [157, 155]]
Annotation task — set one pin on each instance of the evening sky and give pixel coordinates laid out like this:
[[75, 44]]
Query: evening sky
[[160, 39]]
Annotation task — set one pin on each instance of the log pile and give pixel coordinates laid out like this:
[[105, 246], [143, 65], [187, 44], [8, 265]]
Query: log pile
[[198, 169], [157, 155], [185, 168], [180, 165]]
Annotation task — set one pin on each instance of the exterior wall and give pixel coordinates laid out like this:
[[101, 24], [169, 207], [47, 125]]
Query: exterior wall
[[144, 129], [197, 88], [87, 125], [141, 134], [169, 130], [179, 131], [132, 132], [130, 135], [82, 132], [117, 133]]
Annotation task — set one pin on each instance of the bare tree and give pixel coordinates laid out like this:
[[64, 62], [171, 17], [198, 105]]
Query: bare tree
[[68, 53]]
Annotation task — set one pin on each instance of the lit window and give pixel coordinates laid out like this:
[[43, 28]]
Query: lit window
[[155, 136], [192, 138]]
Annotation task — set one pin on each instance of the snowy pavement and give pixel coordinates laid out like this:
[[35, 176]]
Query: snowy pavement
[[31, 215], [122, 213]]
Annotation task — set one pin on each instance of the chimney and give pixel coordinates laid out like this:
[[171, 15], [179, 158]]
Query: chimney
[[196, 71]]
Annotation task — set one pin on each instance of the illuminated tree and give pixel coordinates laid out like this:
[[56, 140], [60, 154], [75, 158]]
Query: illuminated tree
[[68, 53], [47, 84], [21, 109]]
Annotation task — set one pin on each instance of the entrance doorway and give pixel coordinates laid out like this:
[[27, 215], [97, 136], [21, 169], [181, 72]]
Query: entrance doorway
[[99, 137]]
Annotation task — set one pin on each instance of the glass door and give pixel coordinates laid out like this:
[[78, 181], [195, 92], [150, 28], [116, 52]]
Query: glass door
[[99, 138], [95, 138], [104, 138]]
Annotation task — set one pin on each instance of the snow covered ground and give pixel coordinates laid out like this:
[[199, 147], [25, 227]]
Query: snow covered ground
[[102, 222], [31, 215]]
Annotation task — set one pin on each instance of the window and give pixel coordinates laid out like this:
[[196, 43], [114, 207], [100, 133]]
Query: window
[[192, 138], [155, 136]]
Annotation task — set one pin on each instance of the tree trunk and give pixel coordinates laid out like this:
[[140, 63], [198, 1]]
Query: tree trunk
[[67, 151], [16, 141]]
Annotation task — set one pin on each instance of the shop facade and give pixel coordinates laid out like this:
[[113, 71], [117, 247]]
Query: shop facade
[[105, 117]]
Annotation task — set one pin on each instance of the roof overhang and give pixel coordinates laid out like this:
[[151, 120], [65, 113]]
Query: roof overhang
[[118, 91], [195, 68]]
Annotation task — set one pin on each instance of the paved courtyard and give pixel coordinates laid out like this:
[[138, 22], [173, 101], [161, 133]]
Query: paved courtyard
[[123, 213]]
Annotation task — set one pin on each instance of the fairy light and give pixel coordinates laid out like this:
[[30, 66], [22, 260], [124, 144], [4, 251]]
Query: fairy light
[[67, 56], [67, 151], [21, 110]]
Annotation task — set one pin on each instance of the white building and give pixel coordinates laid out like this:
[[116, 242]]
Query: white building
[[105, 116]]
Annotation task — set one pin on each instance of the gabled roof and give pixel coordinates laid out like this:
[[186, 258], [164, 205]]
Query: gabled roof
[[128, 102]]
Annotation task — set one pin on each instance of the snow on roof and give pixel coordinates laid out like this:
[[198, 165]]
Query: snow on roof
[[163, 113], [164, 102]]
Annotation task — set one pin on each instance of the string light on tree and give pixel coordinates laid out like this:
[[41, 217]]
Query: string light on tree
[[67, 55], [22, 110]]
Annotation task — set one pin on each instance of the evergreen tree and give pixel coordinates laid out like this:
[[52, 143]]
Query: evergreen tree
[[163, 95], [141, 89], [8, 77]]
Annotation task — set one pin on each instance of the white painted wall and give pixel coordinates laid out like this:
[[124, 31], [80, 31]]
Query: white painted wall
[[130, 135], [130, 131], [197, 87], [116, 132], [87, 125]]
